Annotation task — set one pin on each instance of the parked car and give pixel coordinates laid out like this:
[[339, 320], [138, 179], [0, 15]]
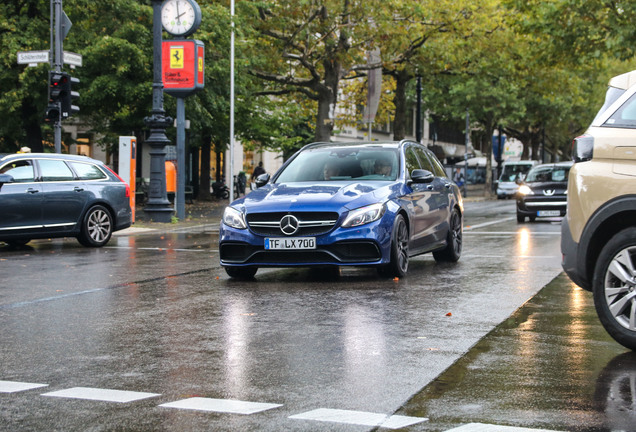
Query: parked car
[[543, 193], [53, 195], [353, 204], [511, 173], [598, 238]]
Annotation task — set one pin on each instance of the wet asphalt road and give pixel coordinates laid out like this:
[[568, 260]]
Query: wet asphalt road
[[154, 313]]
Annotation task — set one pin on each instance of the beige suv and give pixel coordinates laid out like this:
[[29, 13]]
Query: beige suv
[[598, 238]]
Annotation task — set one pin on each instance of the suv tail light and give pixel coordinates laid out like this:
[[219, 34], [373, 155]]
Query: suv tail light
[[583, 148]]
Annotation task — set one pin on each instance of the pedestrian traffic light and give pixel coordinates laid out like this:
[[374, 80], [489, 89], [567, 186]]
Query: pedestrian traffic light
[[68, 95]]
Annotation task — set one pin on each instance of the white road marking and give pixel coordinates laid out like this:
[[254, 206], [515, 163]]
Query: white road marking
[[104, 395], [481, 427], [359, 418], [15, 386], [221, 405], [472, 227]]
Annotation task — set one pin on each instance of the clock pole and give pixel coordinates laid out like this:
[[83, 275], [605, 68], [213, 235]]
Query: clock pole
[[157, 207]]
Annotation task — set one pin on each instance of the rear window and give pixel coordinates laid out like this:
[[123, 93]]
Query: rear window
[[87, 171]]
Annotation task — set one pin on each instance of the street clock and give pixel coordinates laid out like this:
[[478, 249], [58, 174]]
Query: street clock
[[180, 17]]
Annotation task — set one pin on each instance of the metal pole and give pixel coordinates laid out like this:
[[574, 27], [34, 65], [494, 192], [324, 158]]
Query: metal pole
[[158, 207], [180, 198], [466, 141], [418, 111], [231, 179], [57, 67]]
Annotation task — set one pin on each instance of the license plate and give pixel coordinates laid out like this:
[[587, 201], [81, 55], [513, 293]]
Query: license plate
[[547, 213], [295, 243]]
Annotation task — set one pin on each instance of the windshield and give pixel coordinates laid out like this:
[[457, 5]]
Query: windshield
[[342, 163], [511, 172], [550, 173]]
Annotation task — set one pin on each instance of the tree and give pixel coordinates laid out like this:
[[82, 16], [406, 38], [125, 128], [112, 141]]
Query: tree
[[24, 26], [306, 47]]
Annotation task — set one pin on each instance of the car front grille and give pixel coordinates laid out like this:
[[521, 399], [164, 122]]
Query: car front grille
[[337, 253], [310, 223]]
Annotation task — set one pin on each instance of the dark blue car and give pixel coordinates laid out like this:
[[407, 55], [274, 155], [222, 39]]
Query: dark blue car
[[353, 204], [46, 195]]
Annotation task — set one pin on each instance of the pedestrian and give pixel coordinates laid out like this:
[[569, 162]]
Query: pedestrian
[[458, 178], [257, 171]]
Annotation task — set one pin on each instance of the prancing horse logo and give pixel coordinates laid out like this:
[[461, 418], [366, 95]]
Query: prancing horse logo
[[548, 192], [289, 224]]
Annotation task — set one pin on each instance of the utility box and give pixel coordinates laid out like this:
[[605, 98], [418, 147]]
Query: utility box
[[128, 166]]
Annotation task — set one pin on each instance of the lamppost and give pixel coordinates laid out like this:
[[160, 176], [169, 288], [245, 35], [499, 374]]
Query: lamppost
[[157, 207]]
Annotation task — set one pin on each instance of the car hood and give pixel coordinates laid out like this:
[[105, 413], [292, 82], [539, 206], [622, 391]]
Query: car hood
[[331, 196]]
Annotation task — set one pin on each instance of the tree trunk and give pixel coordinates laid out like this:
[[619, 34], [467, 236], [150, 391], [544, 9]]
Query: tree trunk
[[399, 123], [204, 184], [327, 98]]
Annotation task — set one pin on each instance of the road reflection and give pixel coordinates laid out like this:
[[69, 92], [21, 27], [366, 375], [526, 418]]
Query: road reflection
[[616, 392]]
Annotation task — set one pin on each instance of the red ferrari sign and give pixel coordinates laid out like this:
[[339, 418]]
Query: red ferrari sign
[[183, 66]]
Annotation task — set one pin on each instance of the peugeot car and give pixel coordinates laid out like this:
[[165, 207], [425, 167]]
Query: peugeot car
[[353, 204], [53, 195], [544, 192]]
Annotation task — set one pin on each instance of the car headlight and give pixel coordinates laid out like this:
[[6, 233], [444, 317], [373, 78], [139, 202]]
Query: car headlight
[[525, 190], [364, 215], [234, 218]]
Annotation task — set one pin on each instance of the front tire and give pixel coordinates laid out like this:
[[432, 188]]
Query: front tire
[[614, 287], [399, 264], [454, 240], [97, 227]]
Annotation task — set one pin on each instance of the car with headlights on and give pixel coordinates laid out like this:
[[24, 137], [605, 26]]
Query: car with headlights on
[[598, 234], [346, 204], [543, 193], [46, 195]]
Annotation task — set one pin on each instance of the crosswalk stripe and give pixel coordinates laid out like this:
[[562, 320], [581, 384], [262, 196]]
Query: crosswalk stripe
[[482, 427], [221, 405], [359, 418], [104, 395], [15, 386]]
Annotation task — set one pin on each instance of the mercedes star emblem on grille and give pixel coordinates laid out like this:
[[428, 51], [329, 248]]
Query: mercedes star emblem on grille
[[289, 224]]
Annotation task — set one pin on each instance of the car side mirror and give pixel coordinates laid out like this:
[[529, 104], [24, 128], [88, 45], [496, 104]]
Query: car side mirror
[[262, 180], [422, 176], [6, 178]]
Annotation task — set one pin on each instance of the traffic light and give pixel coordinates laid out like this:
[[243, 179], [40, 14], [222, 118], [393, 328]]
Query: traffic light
[[52, 113], [68, 95], [57, 81]]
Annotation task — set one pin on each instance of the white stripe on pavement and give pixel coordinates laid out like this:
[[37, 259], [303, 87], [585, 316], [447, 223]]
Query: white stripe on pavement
[[359, 418], [221, 405], [481, 427], [15, 386], [104, 395]]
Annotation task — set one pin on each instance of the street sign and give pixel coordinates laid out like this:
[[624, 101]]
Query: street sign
[[32, 57], [29, 57], [73, 59]]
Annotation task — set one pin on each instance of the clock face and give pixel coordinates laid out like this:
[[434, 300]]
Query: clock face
[[179, 17]]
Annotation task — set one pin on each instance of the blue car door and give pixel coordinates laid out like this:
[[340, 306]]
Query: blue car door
[[64, 196], [21, 199]]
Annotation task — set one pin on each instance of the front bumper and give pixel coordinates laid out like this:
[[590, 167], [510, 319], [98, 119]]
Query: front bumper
[[533, 206], [360, 246], [570, 258]]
